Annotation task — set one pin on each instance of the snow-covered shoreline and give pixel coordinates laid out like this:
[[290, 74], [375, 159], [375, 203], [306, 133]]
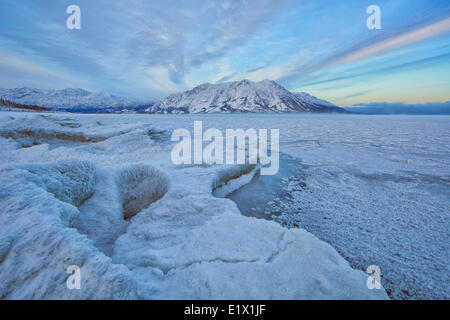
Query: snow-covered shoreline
[[63, 203]]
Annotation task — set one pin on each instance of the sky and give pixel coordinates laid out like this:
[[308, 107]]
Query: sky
[[150, 49]]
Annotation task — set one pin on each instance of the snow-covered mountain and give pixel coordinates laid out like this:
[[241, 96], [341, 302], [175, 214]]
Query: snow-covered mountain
[[242, 96], [74, 100], [309, 99], [238, 96]]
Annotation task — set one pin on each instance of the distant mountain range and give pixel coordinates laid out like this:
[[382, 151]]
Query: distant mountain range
[[238, 96], [74, 100], [401, 108]]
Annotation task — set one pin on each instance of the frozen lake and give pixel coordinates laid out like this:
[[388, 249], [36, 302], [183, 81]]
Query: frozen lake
[[376, 188]]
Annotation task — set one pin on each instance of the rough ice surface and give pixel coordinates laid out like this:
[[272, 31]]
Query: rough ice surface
[[376, 189], [103, 194]]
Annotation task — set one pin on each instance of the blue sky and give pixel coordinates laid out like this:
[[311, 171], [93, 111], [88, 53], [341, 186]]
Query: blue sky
[[153, 48]]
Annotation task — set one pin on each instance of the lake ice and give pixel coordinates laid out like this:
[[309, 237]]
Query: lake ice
[[100, 192]]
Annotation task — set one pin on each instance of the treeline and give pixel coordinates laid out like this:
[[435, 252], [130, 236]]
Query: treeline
[[10, 104]]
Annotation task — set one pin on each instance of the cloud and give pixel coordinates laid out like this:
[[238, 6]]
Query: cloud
[[366, 49], [121, 38], [36, 75], [153, 48], [423, 33], [227, 78], [377, 70], [257, 69], [232, 25], [353, 95]]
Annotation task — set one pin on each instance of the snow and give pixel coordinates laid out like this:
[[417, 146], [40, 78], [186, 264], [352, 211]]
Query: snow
[[314, 101], [238, 96], [64, 201], [377, 189], [241, 96], [71, 99], [230, 179]]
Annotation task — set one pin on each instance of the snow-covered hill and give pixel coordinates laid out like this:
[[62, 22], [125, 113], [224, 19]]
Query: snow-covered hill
[[74, 100], [242, 96]]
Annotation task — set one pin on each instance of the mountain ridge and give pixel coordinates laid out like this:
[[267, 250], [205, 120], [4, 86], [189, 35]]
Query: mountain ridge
[[242, 96], [237, 96], [73, 100]]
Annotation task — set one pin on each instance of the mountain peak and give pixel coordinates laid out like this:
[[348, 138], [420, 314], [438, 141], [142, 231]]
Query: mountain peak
[[241, 96]]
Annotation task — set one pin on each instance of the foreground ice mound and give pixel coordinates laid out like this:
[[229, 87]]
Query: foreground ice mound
[[141, 186], [178, 240], [39, 242], [46, 130], [189, 246]]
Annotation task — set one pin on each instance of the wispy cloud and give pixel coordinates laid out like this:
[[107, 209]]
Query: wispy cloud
[[234, 23], [377, 70], [227, 78], [426, 32], [37, 75], [135, 38], [366, 49], [153, 48]]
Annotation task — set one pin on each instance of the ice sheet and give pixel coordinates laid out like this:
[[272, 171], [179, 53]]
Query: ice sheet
[[64, 204]]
